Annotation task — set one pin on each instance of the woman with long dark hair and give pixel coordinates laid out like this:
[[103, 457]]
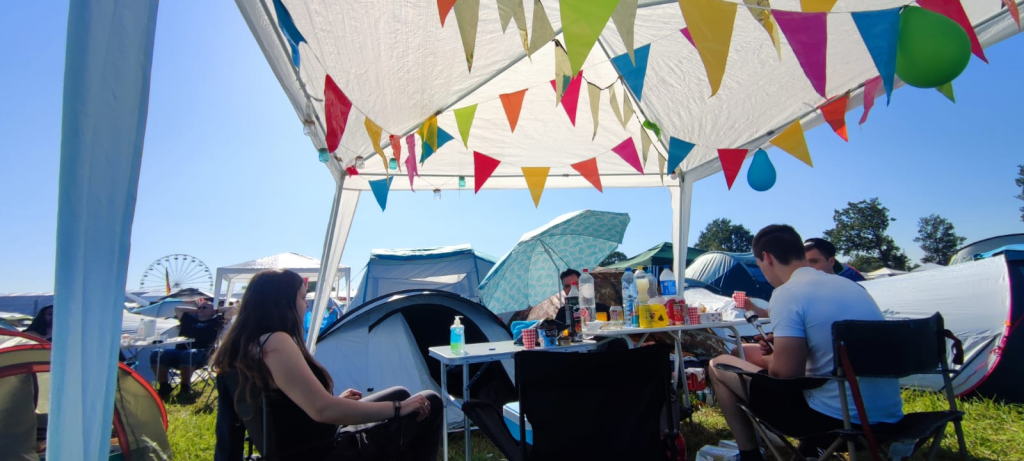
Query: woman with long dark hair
[[42, 325], [264, 345]]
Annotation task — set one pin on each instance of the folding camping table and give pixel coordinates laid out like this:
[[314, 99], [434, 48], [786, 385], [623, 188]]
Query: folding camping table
[[481, 353]]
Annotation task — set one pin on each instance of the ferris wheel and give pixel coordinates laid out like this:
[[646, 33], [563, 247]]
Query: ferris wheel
[[175, 272]]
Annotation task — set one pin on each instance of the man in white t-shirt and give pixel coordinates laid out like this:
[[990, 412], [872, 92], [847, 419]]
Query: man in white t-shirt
[[804, 305]]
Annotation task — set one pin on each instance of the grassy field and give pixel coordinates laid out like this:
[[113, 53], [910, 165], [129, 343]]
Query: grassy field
[[993, 431]]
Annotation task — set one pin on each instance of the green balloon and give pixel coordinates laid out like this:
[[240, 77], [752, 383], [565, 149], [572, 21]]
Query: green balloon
[[933, 49]]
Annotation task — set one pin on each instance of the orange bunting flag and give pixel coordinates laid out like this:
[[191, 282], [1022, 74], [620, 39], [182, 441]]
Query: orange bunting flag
[[396, 149], [627, 150], [835, 114], [817, 6], [513, 104], [710, 24], [588, 169], [791, 140], [954, 10], [1014, 10], [374, 132], [443, 8], [483, 168], [536, 177], [732, 162]]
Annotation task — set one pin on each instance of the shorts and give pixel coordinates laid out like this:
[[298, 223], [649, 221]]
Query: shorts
[[788, 411], [176, 358]]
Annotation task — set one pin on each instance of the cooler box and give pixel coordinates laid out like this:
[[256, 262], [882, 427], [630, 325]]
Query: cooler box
[[511, 413]]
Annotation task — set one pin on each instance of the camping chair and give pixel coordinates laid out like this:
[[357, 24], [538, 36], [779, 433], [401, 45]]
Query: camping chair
[[234, 432], [879, 349], [602, 405]]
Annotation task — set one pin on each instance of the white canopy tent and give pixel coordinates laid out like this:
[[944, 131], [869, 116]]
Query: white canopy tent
[[237, 274]]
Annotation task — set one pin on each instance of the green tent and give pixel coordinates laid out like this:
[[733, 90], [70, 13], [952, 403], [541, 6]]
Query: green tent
[[660, 255]]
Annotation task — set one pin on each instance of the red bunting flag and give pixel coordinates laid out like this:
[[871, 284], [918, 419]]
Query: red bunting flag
[[870, 93], [954, 10], [588, 169], [1014, 10], [396, 149], [443, 8], [513, 104], [627, 150], [483, 168], [571, 97], [732, 162], [808, 36], [336, 107], [835, 114]]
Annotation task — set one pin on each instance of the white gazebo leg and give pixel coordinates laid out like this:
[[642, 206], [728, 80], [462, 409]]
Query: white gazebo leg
[[681, 199], [342, 212]]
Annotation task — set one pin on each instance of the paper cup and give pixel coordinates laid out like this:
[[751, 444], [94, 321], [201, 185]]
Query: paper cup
[[740, 297], [694, 314], [529, 338]]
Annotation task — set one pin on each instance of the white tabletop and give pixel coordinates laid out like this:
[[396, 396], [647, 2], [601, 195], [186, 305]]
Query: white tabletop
[[698, 326], [489, 352], [143, 344]]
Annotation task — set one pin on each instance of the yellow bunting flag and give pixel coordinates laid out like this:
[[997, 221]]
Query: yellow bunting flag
[[467, 12], [374, 132], [594, 92], [762, 12], [817, 6], [710, 24], [627, 109], [645, 145], [464, 118], [542, 31], [615, 104], [791, 140], [513, 9], [428, 132], [563, 73], [582, 23], [624, 18], [536, 177]]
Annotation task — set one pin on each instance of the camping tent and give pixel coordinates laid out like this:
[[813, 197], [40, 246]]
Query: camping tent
[[729, 272], [455, 269], [398, 66], [309, 268], [883, 273], [967, 253], [660, 255], [383, 343]]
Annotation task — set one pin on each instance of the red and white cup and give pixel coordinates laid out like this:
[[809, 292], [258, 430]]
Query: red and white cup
[[530, 338], [740, 297], [694, 314]]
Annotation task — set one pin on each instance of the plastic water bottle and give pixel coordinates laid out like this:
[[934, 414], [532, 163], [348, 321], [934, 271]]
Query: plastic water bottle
[[642, 284], [587, 296], [652, 286], [668, 283], [572, 313], [628, 297]]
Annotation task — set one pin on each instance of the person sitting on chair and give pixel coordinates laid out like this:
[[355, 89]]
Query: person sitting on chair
[[804, 305], [203, 325], [821, 255], [265, 346]]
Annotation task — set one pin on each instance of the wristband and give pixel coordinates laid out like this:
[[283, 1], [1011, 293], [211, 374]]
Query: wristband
[[398, 408]]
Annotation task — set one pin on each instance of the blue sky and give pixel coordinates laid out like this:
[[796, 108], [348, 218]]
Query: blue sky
[[227, 175]]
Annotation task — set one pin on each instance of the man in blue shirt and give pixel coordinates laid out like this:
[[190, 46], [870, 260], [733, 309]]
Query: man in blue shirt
[[821, 255]]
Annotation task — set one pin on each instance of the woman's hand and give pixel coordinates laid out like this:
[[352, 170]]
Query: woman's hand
[[351, 394], [416, 404]]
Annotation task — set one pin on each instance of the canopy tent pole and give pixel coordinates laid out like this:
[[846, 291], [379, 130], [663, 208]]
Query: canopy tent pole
[[681, 199], [342, 212], [216, 288], [107, 69]]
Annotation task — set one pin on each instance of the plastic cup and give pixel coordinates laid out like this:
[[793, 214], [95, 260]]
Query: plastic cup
[[740, 297], [530, 338], [694, 314], [602, 316]]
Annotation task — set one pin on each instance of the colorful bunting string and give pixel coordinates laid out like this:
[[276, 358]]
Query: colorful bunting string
[[808, 36], [880, 31]]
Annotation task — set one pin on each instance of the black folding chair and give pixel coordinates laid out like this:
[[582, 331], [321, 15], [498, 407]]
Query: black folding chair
[[602, 405], [235, 432], [878, 349]]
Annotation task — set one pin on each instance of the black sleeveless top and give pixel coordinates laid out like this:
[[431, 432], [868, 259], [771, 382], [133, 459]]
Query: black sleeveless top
[[294, 434]]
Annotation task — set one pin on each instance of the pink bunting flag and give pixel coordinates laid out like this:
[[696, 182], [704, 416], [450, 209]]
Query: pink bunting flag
[[627, 150], [396, 149], [571, 98], [686, 33], [336, 107], [954, 10], [410, 161], [870, 93], [732, 162], [807, 33]]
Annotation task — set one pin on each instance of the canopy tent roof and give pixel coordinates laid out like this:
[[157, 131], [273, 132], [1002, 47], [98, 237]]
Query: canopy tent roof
[[398, 66], [658, 255], [308, 268]]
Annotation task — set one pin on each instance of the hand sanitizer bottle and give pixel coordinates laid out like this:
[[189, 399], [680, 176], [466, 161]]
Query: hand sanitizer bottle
[[458, 336]]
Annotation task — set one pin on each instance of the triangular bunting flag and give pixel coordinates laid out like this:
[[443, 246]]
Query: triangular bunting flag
[[661, 168], [410, 160], [1014, 10], [614, 99], [542, 31], [442, 138], [588, 169], [870, 92], [710, 24], [464, 119], [536, 177], [732, 162], [513, 9], [571, 98], [428, 132], [835, 114], [808, 36], [582, 23], [396, 149], [817, 6], [624, 18], [762, 12], [954, 10], [791, 140], [677, 152], [443, 8], [627, 110], [563, 72], [594, 93], [374, 132], [506, 8], [513, 104], [645, 145], [483, 168], [467, 13], [380, 189], [689, 37], [634, 75], [336, 109], [291, 33], [880, 31], [947, 90], [627, 150]]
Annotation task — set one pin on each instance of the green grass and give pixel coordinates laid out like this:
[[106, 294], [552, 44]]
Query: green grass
[[993, 431]]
